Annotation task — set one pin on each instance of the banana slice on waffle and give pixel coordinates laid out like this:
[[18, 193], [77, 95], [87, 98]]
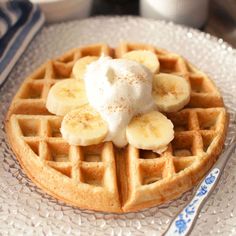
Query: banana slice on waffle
[[83, 126], [150, 131], [170, 92], [144, 57], [79, 67], [65, 96]]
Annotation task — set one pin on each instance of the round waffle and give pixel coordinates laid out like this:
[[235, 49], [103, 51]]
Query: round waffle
[[103, 177]]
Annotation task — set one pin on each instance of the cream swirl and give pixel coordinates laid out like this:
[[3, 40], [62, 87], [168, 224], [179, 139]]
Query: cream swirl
[[118, 89]]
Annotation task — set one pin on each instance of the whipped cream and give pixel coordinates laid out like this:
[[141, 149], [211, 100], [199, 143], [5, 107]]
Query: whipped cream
[[118, 89]]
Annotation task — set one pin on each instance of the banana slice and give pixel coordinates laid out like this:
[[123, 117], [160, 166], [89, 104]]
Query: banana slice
[[170, 92], [144, 57], [83, 126], [65, 96], [151, 131], [79, 67]]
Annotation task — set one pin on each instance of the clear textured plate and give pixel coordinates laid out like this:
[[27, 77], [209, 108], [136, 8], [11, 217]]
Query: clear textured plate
[[26, 210]]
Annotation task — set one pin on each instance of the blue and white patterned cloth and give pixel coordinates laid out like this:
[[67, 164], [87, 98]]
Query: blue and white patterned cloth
[[20, 20]]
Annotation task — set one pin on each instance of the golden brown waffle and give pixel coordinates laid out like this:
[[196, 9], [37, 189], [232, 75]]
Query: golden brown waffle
[[103, 177]]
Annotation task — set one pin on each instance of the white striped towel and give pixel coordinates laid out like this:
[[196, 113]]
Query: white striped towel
[[20, 20]]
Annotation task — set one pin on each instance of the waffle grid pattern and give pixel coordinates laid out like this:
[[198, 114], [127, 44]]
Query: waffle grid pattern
[[144, 178], [43, 136], [193, 142]]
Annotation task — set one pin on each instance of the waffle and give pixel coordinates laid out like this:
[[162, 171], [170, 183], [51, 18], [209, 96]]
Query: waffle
[[103, 177]]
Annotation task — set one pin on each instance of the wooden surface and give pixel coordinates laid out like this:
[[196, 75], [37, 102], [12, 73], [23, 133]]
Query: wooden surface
[[222, 20]]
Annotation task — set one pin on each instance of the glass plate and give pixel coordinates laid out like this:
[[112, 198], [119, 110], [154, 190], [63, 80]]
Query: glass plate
[[26, 210]]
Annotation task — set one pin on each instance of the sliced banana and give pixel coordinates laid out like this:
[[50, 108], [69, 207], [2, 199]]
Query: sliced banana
[[151, 131], [65, 96], [83, 126], [144, 57], [170, 92], [79, 67]]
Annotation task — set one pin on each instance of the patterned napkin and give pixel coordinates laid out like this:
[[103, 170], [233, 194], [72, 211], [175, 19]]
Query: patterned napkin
[[20, 20]]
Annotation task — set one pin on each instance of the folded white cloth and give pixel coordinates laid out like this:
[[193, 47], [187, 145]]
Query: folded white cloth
[[19, 23]]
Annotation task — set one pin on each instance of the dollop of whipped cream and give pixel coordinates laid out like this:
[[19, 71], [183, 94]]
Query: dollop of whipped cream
[[118, 89]]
